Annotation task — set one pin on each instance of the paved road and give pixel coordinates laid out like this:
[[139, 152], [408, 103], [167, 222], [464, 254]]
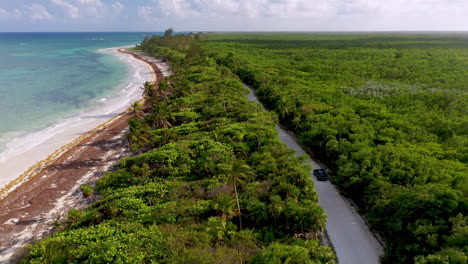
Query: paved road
[[354, 243]]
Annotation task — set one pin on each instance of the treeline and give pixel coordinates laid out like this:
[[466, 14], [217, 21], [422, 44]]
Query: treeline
[[387, 113], [176, 48], [212, 183]]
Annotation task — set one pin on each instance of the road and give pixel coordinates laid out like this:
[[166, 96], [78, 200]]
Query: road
[[349, 234]]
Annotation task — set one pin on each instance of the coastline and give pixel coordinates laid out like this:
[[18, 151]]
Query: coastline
[[31, 153], [51, 187]]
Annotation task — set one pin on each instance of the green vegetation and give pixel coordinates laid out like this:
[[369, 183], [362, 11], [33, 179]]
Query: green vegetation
[[212, 182], [87, 190], [387, 113]]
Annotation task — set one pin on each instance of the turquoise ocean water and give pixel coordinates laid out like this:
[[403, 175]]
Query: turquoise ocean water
[[47, 77]]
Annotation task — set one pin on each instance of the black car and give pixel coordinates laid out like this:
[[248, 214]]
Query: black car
[[321, 174]]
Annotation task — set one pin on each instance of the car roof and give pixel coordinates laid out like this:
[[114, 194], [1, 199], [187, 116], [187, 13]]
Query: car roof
[[320, 170]]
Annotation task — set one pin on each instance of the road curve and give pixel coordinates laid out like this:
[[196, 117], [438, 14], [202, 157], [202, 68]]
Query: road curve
[[349, 234]]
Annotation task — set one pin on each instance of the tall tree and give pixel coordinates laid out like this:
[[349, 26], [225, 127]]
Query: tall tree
[[238, 171], [169, 32]]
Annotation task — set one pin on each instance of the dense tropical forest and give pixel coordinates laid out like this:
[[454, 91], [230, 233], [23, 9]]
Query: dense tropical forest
[[209, 182], [387, 113]]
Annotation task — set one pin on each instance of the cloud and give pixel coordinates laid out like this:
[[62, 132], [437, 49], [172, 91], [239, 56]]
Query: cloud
[[4, 13], [73, 11], [89, 9], [213, 7], [411, 15], [308, 15], [118, 7], [93, 7], [240, 8], [246, 15], [38, 12], [91, 2], [146, 13], [14, 14]]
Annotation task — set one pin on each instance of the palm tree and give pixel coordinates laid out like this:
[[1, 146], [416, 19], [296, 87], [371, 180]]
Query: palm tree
[[164, 90], [56, 251], [285, 105], [238, 170], [161, 116], [147, 89], [276, 207], [168, 33], [138, 133], [136, 109], [225, 205]]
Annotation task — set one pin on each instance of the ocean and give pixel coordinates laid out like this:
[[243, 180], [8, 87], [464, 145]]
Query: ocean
[[49, 81]]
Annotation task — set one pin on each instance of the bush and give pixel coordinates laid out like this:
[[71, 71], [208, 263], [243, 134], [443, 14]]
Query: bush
[[87, 190]]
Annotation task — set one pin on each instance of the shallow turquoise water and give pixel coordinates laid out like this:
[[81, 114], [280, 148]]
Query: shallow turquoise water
[[47, 77]]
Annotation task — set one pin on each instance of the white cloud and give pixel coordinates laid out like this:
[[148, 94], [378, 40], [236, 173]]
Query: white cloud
[[146, 12], [243, 8], [214, 7], [4, 13], [91, 2], [309, 14], [38, 12], [13, 14], [179, 8], [89, 9], [73, 11], [94, 8], [251, 15], [118, 7], [412, 15]]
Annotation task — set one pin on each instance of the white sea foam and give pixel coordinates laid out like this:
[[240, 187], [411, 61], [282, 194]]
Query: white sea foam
[[23, 152]]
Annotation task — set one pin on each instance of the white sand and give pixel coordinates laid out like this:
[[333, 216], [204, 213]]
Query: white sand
[[23, 153]]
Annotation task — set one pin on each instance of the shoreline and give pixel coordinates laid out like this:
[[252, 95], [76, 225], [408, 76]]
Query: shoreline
[[47, 191], [33, 151]]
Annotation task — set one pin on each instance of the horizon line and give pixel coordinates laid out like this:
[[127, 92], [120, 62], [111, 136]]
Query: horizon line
[[259, 31]]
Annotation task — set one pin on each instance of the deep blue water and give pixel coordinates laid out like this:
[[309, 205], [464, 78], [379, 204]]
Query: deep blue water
[[46, 77]]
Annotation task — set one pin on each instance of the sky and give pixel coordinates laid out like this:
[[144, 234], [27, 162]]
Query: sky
[[233, 15]]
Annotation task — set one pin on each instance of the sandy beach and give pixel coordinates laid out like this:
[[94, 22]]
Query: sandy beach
[[66, 157], [24, 153]]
